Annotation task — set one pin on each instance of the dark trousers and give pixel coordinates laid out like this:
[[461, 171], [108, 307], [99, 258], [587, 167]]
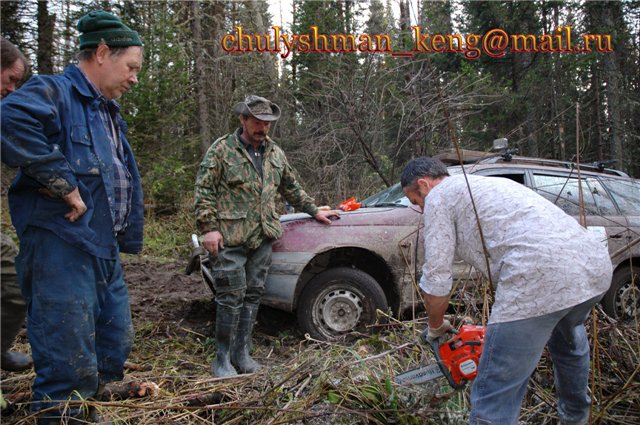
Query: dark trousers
[[240, 273], [13, 306], [78, 322]]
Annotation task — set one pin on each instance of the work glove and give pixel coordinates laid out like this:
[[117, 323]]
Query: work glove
[[431, 334]]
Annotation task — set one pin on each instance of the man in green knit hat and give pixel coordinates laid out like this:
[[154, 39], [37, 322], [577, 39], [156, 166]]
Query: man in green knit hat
[[76, 203]]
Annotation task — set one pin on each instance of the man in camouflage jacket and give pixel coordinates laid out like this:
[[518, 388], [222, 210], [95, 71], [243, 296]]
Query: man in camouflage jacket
[[236, 188]]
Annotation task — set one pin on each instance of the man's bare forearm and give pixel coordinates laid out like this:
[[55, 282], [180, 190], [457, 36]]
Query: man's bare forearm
[[436, 308]]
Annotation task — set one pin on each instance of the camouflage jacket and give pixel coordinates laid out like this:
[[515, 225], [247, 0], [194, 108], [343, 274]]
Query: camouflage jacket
[[232, 198]]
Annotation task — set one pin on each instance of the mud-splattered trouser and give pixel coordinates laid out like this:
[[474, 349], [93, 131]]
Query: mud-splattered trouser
[[240, 273], [13, 306], [78, 321]]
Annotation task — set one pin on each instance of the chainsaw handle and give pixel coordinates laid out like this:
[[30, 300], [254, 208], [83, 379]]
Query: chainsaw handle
[[424, 337], [195, 243]]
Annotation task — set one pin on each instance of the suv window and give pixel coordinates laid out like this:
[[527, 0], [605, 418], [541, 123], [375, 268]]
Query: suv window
[[517, 177], [626, 193], [563, 191]]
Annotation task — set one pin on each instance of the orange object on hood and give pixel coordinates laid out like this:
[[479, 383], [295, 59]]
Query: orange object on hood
[[349, 205]]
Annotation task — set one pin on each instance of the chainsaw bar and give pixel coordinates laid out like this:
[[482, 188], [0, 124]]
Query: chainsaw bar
[[419, 375]]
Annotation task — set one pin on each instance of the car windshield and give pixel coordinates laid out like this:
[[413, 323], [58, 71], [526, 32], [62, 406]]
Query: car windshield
[[394, 196], [390, 197]]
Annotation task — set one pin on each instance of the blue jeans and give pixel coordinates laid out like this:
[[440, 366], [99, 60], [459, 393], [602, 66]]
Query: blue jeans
[[78, 321], [510, 355]]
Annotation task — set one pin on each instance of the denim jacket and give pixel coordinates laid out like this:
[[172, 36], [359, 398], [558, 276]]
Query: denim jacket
[[52, 130]]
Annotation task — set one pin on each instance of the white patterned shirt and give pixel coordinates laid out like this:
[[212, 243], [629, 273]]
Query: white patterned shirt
[[541, 259]]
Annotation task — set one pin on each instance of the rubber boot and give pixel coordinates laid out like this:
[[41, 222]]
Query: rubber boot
[[13, 361], [226, 327], [241, 347], [13, 309]]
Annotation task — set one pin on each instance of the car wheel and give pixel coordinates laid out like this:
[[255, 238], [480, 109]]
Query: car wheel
[[338, 301], [622, 300]]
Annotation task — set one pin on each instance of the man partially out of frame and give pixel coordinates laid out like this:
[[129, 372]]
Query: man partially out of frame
[[12, 71], [76, 204]]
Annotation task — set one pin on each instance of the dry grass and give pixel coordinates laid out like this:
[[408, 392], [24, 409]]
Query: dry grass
[[312, 382]]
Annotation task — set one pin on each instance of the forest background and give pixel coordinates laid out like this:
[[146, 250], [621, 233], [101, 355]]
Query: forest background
[[351, 120]]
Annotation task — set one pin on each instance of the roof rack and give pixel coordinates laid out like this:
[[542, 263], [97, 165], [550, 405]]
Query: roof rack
[[595, 166], [450, 157]]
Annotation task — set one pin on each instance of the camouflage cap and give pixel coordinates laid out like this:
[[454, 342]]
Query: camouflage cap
[[259, 107]]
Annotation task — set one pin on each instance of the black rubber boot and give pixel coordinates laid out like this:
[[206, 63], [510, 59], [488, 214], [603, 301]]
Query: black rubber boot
[[13, 309], [226, 327], [241, 347]]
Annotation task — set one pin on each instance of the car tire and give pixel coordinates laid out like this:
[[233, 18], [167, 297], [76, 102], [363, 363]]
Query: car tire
[[338, 301], [622, 300]]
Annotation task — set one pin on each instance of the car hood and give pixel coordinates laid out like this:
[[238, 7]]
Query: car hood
[[375, 229], [364, 217], [350, 215]]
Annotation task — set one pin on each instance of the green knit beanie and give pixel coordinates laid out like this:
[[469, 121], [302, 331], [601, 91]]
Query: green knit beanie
[[100, 25]]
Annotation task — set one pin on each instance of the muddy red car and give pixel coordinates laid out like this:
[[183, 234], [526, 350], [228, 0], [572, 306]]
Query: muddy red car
[[335, 277]]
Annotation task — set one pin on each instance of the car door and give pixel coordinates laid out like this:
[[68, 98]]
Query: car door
[[411, 254], [626, 195], [563, 190], [518, 175], [622, 300]]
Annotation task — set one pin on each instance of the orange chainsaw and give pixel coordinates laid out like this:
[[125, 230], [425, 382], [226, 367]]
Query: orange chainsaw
[[457, 358]]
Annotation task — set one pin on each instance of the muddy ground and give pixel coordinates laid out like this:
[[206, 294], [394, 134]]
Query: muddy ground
[[307, 382], [161, 293], [173, 316]]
